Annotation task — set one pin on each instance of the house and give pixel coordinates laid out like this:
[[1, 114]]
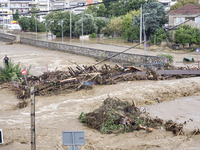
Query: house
[[189, 12]]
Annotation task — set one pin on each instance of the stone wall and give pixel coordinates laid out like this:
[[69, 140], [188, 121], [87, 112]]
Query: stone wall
[[7, 37], [96, 53]]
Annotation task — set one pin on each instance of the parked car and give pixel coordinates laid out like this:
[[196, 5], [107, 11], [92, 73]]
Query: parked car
[[13, 27]]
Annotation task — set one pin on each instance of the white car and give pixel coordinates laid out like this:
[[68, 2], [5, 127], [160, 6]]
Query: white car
[[13, 27]]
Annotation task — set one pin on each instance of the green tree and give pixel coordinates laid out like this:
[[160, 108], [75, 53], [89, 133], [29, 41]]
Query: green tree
[[101, 12], [29, 24], [89, 25], [100, 22], [96, 10], [122, 7], [130, 26], [154, 18], [181, 3], [24, 22], [115, 26], [53, 21], [159, 36], [16, 15], [92, 9], [187, 35]]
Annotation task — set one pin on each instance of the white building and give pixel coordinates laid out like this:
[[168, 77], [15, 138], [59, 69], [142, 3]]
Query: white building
[[78, 10], [9, 7], [167, 3]]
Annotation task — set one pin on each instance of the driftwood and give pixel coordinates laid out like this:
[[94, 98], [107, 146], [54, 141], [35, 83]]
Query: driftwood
[[84, 76], [114, 112]]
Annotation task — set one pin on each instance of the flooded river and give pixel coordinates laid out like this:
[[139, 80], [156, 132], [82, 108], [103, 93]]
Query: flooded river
[[180, 110]]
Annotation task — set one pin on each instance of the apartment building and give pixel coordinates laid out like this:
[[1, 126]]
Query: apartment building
[[5, 13]]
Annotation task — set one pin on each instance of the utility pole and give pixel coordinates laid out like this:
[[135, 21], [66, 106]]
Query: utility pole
[[70, 24], [144, 34], [141, 26], [35, 27], [33, 142], [62, 29], [82, 28]]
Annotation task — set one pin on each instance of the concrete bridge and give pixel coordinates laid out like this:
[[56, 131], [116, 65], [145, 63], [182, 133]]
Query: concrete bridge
[[129, 58]]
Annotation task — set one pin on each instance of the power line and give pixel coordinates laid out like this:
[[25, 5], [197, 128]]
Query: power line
[[122, 51], [141, 42], [108, 58]]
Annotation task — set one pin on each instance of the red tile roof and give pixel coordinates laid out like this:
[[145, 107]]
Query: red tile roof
[[186, 10]]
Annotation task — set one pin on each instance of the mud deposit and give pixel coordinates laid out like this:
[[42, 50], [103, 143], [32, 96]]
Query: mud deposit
[[60, 112]]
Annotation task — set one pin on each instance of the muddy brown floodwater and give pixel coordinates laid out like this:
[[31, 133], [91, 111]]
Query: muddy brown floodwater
[[60, 112]]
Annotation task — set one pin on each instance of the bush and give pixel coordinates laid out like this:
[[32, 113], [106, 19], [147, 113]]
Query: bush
[[168, 56], [93, 35], [11, 73], [83, 117], [110, 124]]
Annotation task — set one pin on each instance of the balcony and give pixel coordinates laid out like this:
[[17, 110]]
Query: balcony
[[19, 7], [4, 1], [21, 1]]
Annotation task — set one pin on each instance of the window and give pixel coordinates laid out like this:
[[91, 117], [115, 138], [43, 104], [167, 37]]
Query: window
[[197, 20], [190, 18], [179, 20]]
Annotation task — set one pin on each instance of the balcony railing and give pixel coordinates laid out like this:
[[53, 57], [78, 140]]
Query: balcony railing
[[4, 1], [19, 7], [20, 0]]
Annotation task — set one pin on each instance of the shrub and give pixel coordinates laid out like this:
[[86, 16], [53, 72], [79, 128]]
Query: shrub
[[110, 124], [168, 56], [83, 117], [11, 73], [93, 35]]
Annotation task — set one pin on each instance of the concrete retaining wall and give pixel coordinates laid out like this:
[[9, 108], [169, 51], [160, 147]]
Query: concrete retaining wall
[[96, 53], [7, 37]]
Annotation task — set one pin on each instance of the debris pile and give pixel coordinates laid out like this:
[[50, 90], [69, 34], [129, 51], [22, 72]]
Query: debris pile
[[196, 131], [57, 82], [83, 77], [115, 116], [177, 129]]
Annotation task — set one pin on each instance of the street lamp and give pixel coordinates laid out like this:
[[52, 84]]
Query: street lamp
[[61, 23], [62, 29], [36, 27], [70, 24], [144, 34], [82, 28]]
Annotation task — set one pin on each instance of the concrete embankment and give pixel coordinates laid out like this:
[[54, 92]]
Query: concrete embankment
[[134, 59]]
